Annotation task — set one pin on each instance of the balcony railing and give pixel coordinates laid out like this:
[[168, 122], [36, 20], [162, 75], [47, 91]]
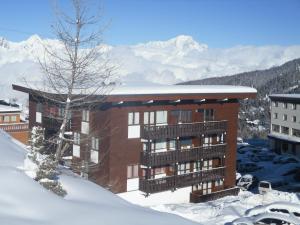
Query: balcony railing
[[183, 130], [54, 123], [15, 127], [196, 198], [179, 181], [183, 155]]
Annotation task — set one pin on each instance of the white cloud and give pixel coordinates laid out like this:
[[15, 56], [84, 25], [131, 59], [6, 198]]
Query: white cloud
[[165, 62]]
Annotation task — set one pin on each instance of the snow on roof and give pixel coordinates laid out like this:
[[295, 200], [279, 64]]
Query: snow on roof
[[5, 108], [285, 137], [294, 96], [181, 89]]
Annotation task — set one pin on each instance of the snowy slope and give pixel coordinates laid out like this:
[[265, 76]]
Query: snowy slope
[[24, 202], [171, 61]]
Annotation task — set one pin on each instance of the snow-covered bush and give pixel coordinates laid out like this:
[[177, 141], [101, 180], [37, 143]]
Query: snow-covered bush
[[43, 164]]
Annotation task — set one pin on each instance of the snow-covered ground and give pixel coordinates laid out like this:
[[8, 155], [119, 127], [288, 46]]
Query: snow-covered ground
[[24, 202], [218, 212], [225, 210]]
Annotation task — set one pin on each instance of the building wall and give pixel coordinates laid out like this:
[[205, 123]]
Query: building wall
[[290, 112], [21, 136], [124, 151]]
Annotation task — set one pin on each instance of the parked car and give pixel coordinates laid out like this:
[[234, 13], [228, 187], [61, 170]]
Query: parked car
[[267, 218], [248, 167], [247, 182], [282, 159], [264, 187], [285, 208]]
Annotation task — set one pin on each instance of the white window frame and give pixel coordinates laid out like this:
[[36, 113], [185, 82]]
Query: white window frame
[[76, 138], [85, 115]]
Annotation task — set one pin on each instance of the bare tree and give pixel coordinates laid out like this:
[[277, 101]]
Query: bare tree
[[79, 71]]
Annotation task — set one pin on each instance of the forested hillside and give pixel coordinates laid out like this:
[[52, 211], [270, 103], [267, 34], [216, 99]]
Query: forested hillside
[[255, 114]]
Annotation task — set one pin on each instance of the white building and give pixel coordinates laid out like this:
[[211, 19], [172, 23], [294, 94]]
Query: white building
[[285, 123]]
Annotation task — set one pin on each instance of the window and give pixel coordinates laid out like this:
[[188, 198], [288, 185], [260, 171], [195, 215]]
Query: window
[[275, 104], [197, 166], [294, 106], [207, 164], [206, 188], [208, 114], [39, 107], [285, 130], [294, 119], [285, 105], [133, 118], [161, 117], [275, 128], [218, 182], [285, 117], [149, 118], [76, 138], [13, 118], [85, 115], [182, 116], [275, 116], [296, 132], [61, 112], [159, 145], [94, 156], [6, 119], [133, 125], [132, 171], [95, 143], [207, 140], [186, 143], [183, 168], [221, 139]]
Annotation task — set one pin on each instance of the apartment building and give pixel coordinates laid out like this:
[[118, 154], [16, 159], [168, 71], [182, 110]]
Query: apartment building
[[10, 121], [153, 139], [285, 123]]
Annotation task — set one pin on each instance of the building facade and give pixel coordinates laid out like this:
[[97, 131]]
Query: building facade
[[154, 139], [285, 123], [10, 122]]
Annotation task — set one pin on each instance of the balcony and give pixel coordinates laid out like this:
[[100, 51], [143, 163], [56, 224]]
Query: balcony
[[196, 198], [183, 155], [14, 127], [179, 181], [183, 130], [54, 123]]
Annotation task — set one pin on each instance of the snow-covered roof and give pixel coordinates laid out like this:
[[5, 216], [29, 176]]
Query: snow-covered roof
[[181, 89], [285, 96], [5, 108], [285, 137]]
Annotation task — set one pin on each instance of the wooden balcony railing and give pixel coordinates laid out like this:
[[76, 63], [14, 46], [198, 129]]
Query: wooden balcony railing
[[183, 130], [54, 123], [196, 198], [183, 155], [179, 181], [14, 127]]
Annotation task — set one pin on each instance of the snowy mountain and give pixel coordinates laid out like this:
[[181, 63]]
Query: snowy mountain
[[24, 202], [175, 60]]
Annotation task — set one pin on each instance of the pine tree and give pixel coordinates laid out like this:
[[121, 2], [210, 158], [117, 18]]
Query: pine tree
[[47, 173]]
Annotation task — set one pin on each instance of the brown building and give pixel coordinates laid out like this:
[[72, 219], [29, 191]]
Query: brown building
[[154, 139], [11, 123]]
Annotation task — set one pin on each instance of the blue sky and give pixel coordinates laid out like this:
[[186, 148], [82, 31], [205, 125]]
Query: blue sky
[[218, 23]]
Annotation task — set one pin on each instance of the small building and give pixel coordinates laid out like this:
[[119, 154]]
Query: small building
[[10, 121], [153, 138], [285, 123]]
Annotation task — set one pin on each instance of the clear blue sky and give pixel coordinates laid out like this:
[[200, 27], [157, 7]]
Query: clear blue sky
[[218, 23]]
